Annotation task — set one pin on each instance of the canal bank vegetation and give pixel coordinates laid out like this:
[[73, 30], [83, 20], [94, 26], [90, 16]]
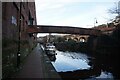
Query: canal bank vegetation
[[104, 49], [71, 46]]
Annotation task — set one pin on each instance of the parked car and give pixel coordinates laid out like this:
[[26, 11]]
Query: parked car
[[50, 49]]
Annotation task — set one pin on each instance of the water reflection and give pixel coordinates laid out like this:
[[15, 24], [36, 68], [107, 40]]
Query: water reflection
[[105, 75], [52, 57], [78, 66], [66, 61]]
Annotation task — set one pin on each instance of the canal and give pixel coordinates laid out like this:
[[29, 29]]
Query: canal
[[78, 65]]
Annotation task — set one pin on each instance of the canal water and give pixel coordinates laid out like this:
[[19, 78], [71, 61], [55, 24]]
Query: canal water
[[78, 65]]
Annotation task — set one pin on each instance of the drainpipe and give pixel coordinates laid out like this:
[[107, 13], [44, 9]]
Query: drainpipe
[[19, 33]]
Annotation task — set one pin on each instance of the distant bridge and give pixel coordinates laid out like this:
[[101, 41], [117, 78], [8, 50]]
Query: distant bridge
[[62, 29]]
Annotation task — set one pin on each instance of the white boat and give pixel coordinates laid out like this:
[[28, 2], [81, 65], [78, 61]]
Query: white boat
[[50, 49]]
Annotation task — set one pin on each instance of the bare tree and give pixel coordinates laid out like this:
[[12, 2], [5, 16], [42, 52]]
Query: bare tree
[[116, 9]]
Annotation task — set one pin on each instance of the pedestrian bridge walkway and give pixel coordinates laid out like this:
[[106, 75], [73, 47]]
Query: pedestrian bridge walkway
[[37, 65]]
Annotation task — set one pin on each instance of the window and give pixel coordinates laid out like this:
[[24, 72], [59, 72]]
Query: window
[[31, 20]]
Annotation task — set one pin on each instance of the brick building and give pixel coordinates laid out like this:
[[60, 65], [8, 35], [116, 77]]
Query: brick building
[[106, 28], [12, 12]]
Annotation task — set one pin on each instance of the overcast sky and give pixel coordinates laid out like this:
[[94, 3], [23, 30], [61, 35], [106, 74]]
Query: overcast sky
[[76, 13]]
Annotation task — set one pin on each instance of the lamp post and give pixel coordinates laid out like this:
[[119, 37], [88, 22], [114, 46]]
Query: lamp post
[[95, 21], [19, 33]]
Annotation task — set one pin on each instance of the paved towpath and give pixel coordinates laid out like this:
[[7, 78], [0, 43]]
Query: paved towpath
[[37, 65]]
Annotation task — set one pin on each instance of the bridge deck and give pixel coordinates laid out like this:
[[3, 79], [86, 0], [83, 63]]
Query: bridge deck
[[62, 29]]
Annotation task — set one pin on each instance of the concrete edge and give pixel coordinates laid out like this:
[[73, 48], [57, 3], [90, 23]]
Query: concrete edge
[[49, 69]]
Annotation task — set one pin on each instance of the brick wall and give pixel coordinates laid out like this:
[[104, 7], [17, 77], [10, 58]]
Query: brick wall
[[10, 33]]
